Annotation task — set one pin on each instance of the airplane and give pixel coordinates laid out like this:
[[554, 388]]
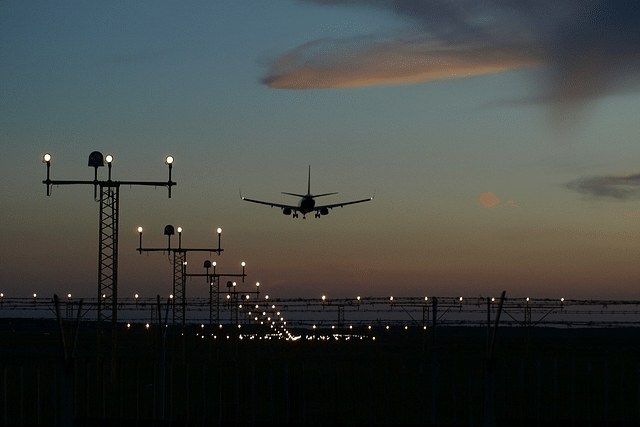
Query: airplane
[[307, 203]]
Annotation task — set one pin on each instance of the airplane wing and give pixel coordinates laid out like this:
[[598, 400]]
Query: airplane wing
[[278, 205], [339, 205]]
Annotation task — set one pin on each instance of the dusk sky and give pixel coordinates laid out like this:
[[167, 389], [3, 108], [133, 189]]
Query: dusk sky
[[500, 138]]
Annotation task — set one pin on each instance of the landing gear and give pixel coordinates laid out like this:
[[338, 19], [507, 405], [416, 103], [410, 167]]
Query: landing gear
[[317, 215], [295, 215]]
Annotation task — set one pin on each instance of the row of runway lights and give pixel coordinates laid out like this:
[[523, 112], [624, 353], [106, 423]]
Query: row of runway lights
[[285, 334], [262, 318], [279, 334]]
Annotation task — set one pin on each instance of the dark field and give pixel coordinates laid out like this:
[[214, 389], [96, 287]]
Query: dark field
[[544, 376]]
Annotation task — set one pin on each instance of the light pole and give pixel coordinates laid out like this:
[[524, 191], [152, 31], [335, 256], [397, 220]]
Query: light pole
[[109, 216], [213, 279], [179, 268]]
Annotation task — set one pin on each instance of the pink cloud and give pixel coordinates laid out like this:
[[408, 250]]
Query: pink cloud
[[489, 200]]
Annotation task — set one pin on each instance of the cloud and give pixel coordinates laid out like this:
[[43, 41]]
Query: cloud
[[610, 186], [590, 48], [491, 201], [366, 61]]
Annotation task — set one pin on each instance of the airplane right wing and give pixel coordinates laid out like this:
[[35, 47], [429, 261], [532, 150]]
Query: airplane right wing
[[339, 205]]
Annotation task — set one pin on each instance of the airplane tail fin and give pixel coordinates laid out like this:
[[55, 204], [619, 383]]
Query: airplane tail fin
[[309, 187]]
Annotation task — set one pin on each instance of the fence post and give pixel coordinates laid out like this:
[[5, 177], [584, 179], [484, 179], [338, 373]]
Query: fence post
[[434, 366]]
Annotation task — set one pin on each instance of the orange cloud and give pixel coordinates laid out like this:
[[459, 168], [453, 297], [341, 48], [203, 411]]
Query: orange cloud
[[329, 63], [491, 201]]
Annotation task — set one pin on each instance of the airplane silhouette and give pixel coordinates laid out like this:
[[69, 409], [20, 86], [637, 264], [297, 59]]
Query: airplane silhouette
[[307, 203]]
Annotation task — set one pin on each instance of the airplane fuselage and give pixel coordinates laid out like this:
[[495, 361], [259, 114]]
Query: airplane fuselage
[[306, 204]]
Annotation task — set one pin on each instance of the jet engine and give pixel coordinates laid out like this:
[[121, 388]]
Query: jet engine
[[286, 211], [324, 211]]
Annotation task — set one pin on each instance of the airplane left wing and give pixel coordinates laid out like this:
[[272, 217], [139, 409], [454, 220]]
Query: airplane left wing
[[277, 205]]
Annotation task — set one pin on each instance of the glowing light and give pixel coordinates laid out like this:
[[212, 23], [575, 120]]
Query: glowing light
[[460, 299], [147, 326], [128, 325], [171, 296], [257, 284], [46, 158], [136, 296], [69, 296], [139, 229], [108, 158], [324, 297], [168, 160], [242, 263], [35, 295], [391, 299], [219, 230], [179, 229]]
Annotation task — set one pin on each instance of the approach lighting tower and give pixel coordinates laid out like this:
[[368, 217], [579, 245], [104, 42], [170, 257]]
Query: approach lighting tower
[[109, 213], [179, 268], [213, 279]]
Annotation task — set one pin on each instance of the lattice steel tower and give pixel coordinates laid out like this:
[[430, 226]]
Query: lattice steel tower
[[179, 269], [109, 216]]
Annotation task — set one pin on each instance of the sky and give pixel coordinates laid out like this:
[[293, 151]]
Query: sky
[[499, 138]]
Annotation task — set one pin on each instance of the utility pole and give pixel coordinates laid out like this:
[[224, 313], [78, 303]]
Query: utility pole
[[107, 305]]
